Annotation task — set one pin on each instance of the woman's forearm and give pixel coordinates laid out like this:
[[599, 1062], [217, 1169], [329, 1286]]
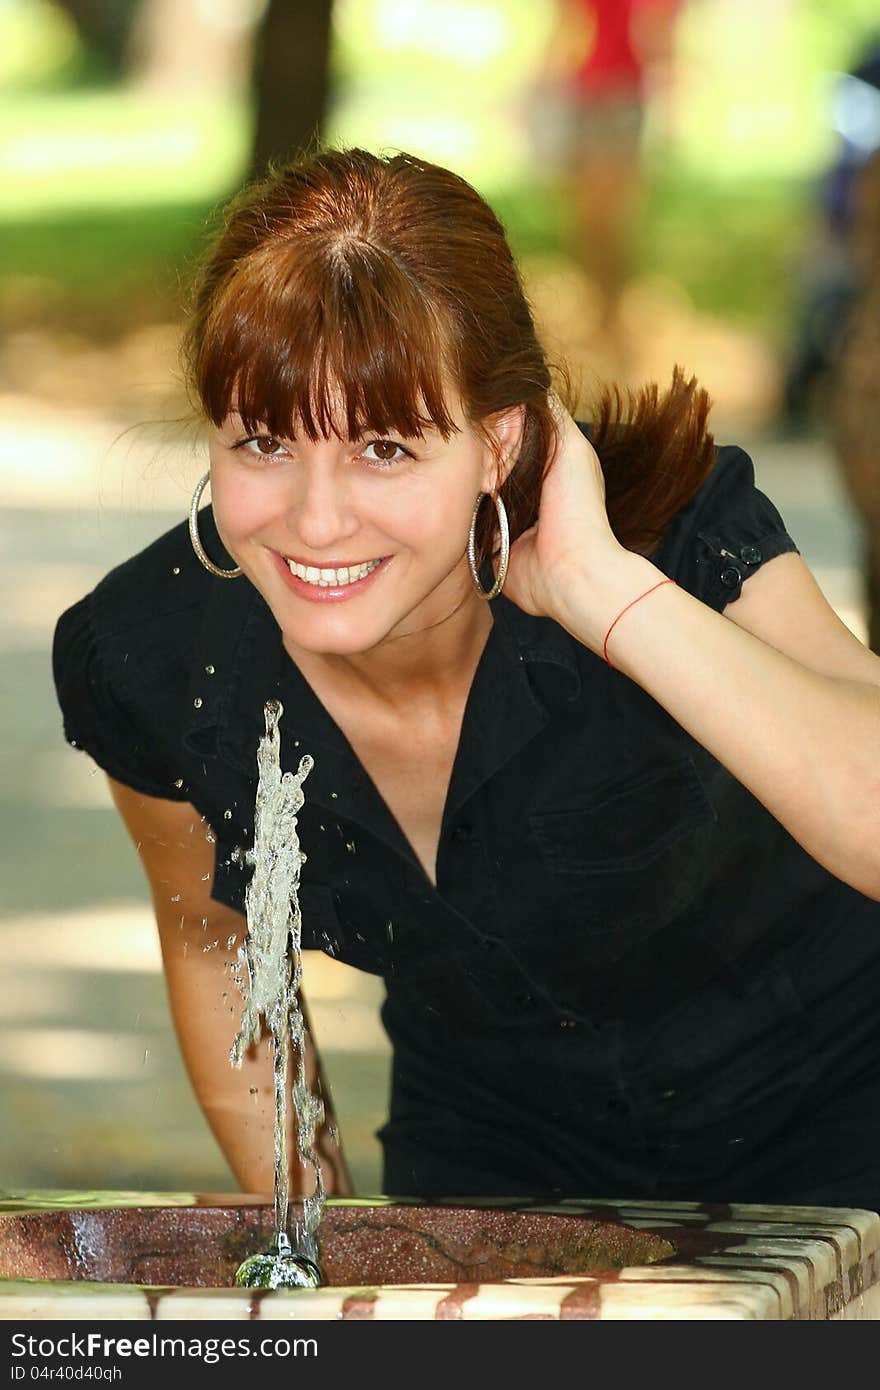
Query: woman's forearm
[[199, 940], [238, 1102], [807, 745]]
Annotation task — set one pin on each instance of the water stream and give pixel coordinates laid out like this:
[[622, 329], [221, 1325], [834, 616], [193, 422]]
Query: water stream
[[268, 973]]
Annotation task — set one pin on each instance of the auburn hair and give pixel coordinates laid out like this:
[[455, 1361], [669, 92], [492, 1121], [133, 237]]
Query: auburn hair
[[347, 292]]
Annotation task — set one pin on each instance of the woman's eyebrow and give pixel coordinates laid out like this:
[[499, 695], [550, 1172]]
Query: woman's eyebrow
[[235, 422]]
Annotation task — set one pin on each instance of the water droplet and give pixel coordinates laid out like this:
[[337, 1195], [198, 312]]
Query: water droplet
[[146, 1054], [227, 815], [253, 1090], [176, 569], [209, 670], [204, 923], [230, 941], [176, 899], [334, 795], [389, 927], [205, 878], [197, 702], [179, 782], [73, 743], [349, 845]]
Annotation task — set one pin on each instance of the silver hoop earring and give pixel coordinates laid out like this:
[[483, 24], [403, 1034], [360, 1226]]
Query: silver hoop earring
[[196, 539], [505, 546]]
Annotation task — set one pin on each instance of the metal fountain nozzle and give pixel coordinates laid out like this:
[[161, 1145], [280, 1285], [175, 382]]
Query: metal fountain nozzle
[[281, 1268]]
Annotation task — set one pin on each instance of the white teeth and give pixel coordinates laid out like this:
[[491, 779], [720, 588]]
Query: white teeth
[[332, 578]]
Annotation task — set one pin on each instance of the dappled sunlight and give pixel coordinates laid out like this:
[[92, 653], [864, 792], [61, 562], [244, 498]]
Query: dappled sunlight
[[55, 456], [71, 1054]]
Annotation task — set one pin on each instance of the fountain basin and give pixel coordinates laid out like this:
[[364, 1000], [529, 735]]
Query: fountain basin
[[144, 1256]]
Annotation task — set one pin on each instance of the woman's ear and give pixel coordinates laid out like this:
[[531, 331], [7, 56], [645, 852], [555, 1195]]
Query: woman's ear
[[505, 430]]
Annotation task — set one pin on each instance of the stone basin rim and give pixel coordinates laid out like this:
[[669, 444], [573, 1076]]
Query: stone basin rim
[[741, 1261], [363, 1243]]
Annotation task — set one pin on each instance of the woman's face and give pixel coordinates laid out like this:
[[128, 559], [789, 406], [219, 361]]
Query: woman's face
[[351, 544]]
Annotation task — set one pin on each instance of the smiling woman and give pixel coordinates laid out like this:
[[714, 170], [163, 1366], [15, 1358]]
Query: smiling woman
[[610, 839]]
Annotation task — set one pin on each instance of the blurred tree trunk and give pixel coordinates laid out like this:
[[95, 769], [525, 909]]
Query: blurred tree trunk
[[104, 29], [291, 78]]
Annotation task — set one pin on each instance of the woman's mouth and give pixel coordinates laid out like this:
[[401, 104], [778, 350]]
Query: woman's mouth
[[332, 578], [324, 584]]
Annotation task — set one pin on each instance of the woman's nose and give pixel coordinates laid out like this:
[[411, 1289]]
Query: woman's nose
[[322, 512]]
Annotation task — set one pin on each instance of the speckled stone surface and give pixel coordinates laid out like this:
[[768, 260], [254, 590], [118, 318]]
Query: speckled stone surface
[[162, 1256]]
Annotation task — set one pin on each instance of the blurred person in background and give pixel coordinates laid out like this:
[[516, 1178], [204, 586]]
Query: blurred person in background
[[836, 268], [854, 395], [606, 60]]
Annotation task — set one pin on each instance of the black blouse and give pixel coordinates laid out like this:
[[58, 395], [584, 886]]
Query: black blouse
[[596, 866]]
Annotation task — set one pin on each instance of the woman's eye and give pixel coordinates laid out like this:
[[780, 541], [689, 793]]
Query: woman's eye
[[264, 444], [386, 451]]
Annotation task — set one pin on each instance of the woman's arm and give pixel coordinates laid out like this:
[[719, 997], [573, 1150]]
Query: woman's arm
[[776, 687], [238, 1103]]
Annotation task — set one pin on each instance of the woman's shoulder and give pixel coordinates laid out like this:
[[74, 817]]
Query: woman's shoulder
[[139, 623], [153, 601], [162, 587], [122, 658], [724, 533]]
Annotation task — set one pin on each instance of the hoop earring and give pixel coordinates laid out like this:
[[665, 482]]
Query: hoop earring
[[196, 539], [505, 546]]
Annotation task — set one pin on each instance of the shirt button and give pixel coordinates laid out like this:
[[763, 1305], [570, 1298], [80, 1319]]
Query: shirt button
[[461, 833], [730, 576], [750, 554]]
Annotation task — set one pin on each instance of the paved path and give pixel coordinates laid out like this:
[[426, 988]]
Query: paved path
[[91, 1087]]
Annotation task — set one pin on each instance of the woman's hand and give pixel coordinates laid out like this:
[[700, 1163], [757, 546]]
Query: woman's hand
[[551, 563]]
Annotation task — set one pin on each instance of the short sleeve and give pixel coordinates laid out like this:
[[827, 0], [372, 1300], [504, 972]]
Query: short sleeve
[[95, 716], [726, 533]]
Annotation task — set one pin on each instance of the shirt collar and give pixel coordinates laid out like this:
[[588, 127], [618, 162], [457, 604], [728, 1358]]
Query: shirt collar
[[541, 642]]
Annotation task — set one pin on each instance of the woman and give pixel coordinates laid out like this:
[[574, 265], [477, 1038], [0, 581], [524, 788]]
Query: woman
[[611, 837]]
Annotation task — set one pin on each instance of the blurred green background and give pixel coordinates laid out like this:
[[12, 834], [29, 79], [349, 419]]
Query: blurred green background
[[107, 184]]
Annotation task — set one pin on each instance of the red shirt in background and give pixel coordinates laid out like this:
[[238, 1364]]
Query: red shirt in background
[[615, 62]]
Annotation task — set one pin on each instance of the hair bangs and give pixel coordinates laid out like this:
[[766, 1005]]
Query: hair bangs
[[334, 340]]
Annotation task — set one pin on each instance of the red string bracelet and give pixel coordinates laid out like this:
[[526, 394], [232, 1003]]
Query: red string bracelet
[[626, 610]]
